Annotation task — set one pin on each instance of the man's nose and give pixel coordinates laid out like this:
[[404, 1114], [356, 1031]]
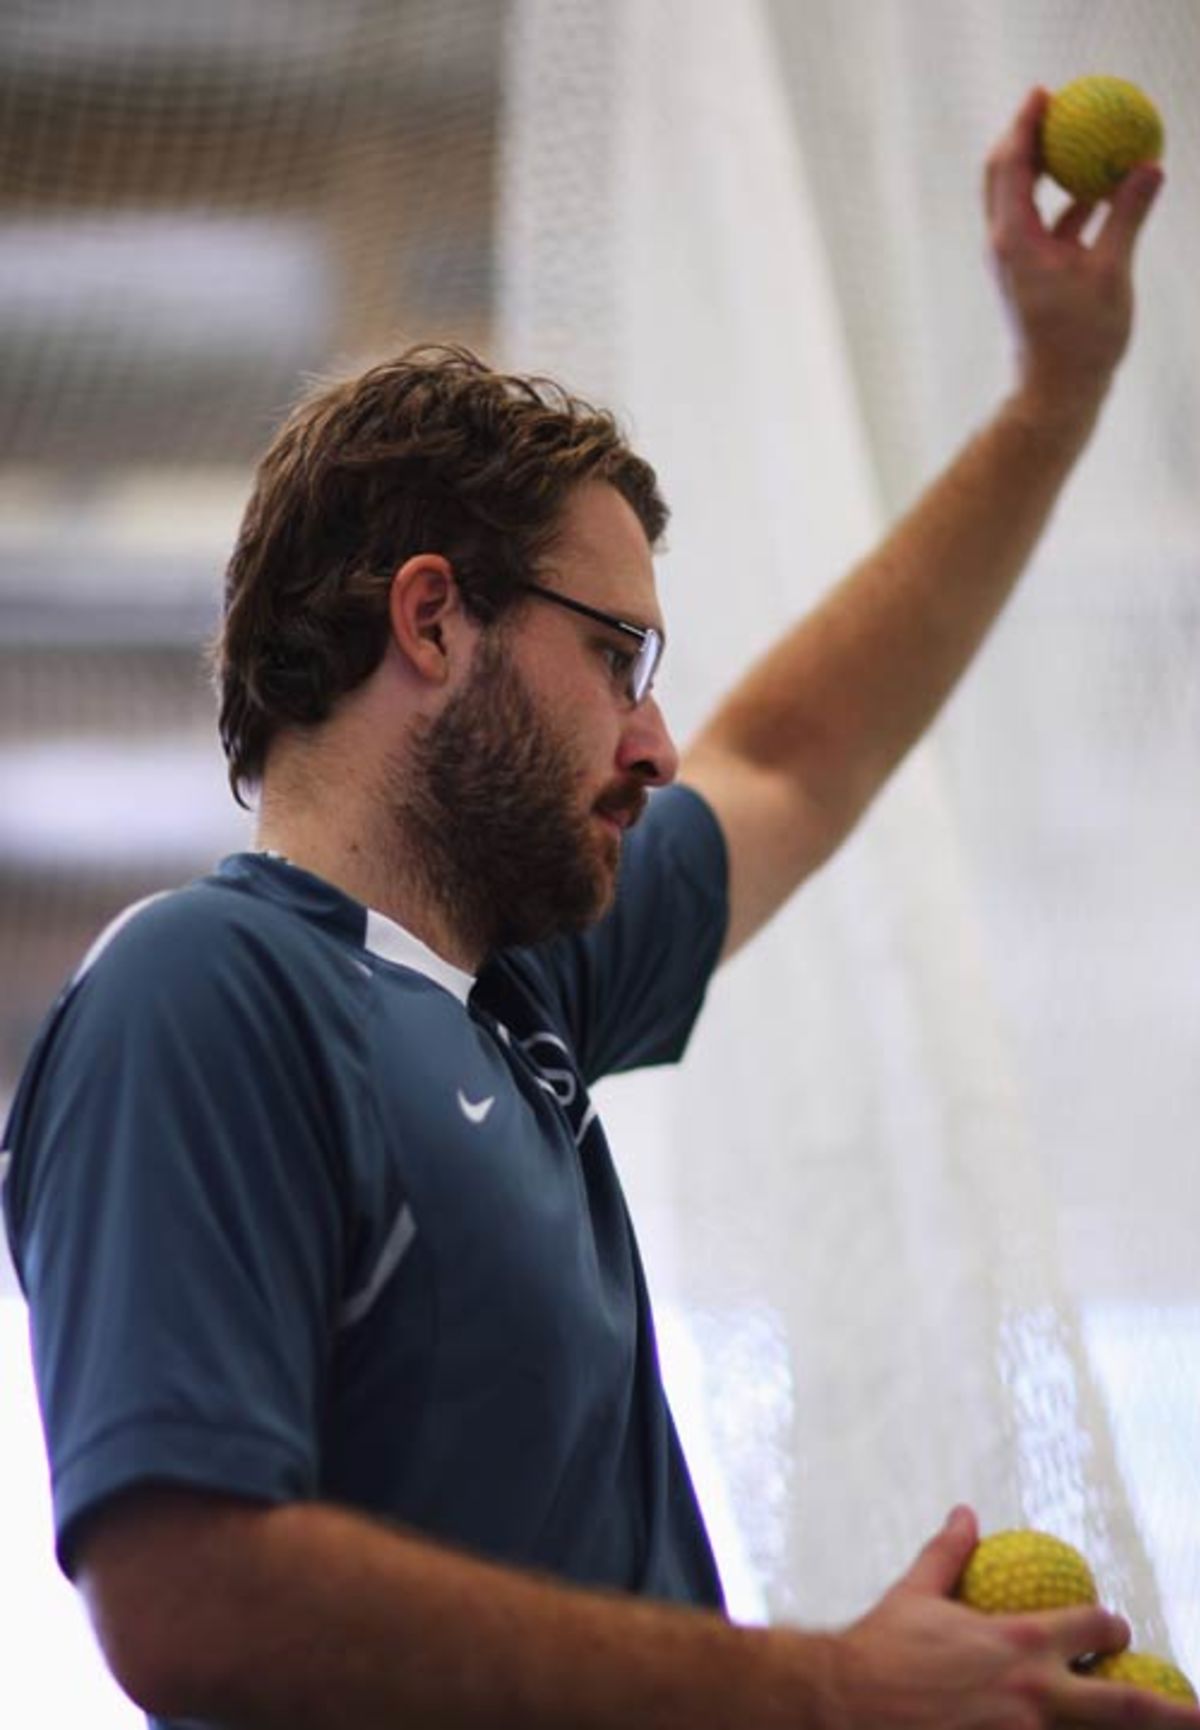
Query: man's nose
[[647, 748]]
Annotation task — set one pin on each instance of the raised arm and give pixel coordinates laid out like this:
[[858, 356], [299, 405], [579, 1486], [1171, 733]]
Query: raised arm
[[796, 752], [312, 1618]]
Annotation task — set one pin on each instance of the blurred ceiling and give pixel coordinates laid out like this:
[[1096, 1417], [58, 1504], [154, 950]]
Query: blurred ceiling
[[199, 207]]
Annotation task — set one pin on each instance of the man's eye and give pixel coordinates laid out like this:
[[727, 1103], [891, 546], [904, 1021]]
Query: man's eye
[[620, 662]]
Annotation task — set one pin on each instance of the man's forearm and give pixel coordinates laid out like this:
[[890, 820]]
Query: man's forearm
[[307, 1617], [838, 702], [794, 756], [315, 1619]]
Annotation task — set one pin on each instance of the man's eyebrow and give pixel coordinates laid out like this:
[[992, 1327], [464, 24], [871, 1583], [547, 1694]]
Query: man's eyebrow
[[642, 623]]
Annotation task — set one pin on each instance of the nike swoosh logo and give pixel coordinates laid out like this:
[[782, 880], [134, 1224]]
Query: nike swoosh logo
[[475, 1110]]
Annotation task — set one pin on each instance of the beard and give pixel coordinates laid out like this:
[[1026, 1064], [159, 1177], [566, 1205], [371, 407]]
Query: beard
[[489, 803]]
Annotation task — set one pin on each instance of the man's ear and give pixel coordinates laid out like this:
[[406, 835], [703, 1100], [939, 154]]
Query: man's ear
[[424, 608]]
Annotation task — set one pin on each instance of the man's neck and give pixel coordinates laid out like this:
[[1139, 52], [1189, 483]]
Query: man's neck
[[331, 848]]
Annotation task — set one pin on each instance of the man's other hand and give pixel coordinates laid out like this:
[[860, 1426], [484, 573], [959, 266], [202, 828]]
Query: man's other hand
[[1071, 301]]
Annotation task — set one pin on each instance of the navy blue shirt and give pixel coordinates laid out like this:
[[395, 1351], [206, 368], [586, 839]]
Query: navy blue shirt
[[301, 1211]]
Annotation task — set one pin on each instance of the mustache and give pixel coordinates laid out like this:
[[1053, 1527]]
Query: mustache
[[626, 802]]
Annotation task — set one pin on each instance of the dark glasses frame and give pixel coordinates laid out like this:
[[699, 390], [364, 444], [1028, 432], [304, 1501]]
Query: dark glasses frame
[[649, 641]]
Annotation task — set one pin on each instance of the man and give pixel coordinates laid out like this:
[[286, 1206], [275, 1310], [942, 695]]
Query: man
[[345, 1356]]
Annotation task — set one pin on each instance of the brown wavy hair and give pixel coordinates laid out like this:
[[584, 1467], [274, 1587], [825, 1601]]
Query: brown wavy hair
[[433, 451]]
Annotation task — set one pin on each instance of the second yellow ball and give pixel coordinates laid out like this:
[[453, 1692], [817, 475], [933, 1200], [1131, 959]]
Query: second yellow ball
[[1146, 1670], [1010, 1573]]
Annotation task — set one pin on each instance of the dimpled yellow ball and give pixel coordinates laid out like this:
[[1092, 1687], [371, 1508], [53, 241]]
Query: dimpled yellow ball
[[1144, 1670], [1010, 1573], [1093, 132]]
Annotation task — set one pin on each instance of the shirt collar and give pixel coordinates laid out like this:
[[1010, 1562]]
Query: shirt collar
[[391, 942], [381, 935]]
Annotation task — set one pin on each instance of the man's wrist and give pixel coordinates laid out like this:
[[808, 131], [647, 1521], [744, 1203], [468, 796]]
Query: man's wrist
[[830, 1706], [1055, 416], [795, 1677]]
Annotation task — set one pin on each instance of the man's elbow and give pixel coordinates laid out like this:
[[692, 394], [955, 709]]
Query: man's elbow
[[156, 1612], [149, 1672]]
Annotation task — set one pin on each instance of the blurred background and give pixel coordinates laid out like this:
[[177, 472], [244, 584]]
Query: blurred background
[[919, 1208]]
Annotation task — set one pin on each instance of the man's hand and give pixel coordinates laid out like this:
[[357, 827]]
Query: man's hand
[[920, 1660], [1071, 302]]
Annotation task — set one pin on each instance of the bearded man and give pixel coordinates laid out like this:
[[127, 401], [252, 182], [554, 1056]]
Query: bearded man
[[345, 1354]]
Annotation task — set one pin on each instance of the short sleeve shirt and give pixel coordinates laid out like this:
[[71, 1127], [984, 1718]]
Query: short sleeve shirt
[[303, 1212]]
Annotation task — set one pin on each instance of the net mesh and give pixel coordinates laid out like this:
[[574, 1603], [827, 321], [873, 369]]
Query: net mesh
[[200, 207], [244, 191]]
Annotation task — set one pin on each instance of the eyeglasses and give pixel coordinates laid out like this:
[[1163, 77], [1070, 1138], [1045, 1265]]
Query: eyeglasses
[[642, 666]]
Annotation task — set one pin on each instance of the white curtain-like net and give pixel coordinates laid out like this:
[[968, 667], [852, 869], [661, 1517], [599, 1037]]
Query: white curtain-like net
[[919, 1208]]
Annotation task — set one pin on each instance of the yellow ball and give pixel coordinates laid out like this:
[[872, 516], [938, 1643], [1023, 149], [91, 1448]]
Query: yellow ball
[[1010, 1573], [1144, 1670], [1094, 131]]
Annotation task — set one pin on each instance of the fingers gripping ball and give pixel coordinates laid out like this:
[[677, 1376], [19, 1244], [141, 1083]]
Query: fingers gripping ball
[[1144, 1670], [1093, 132], [1010, 1573]]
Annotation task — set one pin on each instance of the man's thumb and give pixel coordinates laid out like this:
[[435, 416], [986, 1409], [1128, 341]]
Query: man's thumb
[[941, 1562], [1130, 206]]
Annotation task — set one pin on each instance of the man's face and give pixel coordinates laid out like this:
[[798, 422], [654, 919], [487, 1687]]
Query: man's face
[[518, 792]]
